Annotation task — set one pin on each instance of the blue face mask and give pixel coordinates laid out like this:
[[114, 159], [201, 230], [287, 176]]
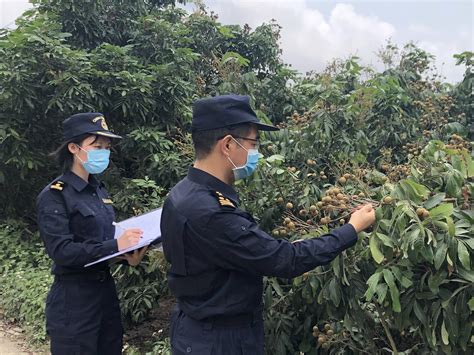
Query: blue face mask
[[97, 160], [246, 170]]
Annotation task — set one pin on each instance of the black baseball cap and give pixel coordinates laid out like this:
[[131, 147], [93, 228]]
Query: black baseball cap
[[89, 122], [223, 111]]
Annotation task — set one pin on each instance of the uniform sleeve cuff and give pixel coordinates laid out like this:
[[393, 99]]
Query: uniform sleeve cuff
[[110, 246], [348, 234]]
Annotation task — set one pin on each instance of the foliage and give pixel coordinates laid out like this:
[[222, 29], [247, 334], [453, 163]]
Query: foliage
[[407, 284], [400, 138], [140, 288], [62, 60], [25, 278], [162, 347]]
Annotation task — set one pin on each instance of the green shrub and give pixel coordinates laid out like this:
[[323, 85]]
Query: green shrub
[[25, 278], [140, 288]]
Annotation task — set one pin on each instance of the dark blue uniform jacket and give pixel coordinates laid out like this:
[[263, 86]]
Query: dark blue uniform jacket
[[75, 221], [218, 254]]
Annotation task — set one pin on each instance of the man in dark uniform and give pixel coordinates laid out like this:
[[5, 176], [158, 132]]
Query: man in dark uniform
[[218, 254]]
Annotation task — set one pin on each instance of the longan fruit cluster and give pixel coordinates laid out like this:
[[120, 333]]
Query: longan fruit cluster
[[457, 142], [324, 336]]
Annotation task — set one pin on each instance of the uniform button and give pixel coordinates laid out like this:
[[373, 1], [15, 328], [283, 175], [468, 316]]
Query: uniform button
[[93, 194], [243, 228], [188, 349], [56, 211]]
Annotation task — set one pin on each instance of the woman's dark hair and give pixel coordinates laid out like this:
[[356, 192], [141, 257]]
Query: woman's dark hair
[[204, 141], [63, 156]]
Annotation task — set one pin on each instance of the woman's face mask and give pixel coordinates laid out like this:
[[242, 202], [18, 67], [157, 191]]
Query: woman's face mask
[[97, 160], [249, 167]]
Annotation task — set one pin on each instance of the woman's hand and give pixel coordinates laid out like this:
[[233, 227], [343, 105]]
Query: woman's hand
[[134, 258], [129, 238]]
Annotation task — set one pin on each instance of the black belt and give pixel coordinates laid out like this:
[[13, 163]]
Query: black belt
[[100, 276]]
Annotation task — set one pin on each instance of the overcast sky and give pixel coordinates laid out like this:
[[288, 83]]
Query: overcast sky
[[315, 31]]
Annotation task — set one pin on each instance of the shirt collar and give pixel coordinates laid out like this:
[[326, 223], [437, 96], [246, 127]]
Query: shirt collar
[[78, 183], [201, 177]]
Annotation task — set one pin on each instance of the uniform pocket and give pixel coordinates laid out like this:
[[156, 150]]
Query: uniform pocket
[[190, 337], [52, 219], [236, 231], [64, 345], [56, 307], [84, 223], [52, 294], [85, 210], [252, 341]]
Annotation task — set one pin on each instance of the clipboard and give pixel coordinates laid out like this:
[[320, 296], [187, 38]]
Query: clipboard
[[148, 222]]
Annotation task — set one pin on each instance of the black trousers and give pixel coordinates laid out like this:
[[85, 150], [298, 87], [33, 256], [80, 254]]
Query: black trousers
[[189, 336], [83, 317]]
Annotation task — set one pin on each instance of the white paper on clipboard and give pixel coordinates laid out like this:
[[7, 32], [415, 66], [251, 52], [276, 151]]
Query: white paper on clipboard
[[148, 222]]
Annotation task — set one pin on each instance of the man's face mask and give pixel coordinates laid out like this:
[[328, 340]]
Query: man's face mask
[[249, 167], [97, 160]]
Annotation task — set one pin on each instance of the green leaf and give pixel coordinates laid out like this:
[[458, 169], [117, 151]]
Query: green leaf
[[459, 165], [413, 191], [469, 276], [235, 57], [314, 282], [440, 255], [434, 201], [276, 287], [451, 227], [372, 282], [394, 293], [275, 158], [305, 346], [453, 185], [470, 168], [374, 249], [385, 239], [226, 32], [470, 243], [420, 313], [463, 255], [471, 304], [335, 292], [378, 214], [445, 210], [381, 292], [444, 334], [448, 259], [268, 299], [421, 190]]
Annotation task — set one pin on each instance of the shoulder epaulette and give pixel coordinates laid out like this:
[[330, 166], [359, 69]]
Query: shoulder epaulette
[[223, 201], [57, 185]]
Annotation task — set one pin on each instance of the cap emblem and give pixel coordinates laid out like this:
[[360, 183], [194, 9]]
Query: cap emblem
[[103, 124]]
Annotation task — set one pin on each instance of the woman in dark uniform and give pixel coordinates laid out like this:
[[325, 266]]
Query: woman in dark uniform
[[75, 217]]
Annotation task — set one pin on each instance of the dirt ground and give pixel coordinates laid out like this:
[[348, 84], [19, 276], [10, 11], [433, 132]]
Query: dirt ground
[[155, 328], [13, 341]]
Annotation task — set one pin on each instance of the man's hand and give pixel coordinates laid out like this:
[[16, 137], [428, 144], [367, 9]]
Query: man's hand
[[134, 258], [362, 217], [129, 238]]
